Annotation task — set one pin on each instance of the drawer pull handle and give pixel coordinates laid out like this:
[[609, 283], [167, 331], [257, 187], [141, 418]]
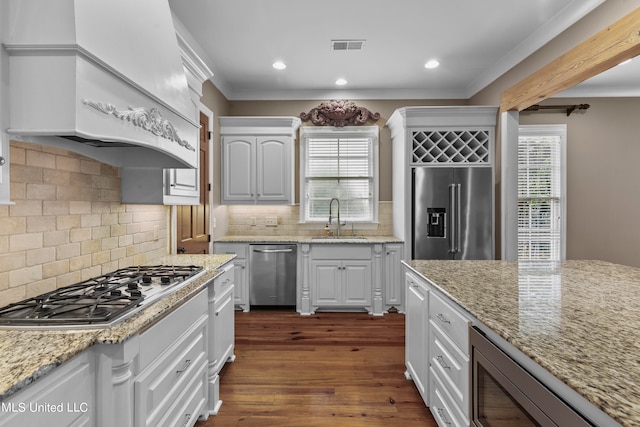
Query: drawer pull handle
[[442, 363], [184, 368], [442, 318], [226, 281], [441, 415], [187, 417]]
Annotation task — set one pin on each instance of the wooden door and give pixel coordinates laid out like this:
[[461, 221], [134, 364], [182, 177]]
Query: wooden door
[[193, 221]]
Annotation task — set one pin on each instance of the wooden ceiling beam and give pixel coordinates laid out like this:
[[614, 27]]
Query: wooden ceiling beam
[[614, 44]]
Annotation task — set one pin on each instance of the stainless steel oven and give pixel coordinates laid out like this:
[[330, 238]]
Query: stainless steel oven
[[505, 394]]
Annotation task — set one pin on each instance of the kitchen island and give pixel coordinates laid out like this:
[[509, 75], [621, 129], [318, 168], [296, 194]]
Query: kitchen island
[[578, 320]]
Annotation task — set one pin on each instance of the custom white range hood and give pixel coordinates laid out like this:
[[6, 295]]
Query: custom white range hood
[[103, 78]]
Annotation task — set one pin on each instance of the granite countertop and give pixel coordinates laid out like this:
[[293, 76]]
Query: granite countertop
[[577, 319], [26, 355], [346, 238]]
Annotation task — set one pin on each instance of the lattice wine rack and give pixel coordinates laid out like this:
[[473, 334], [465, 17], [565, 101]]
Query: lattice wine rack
[[451, 146]]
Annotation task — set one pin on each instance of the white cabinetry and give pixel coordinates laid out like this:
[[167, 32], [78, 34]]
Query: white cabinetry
[[341, 276], [258, 159], [437, 351], [416, 333], [157, 378], [171, 386], [63, 397], [449, 362], [240, 267], [393, 278], [221, 332]]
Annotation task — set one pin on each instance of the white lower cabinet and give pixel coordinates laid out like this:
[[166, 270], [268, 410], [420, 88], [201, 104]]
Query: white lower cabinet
[[221, 332], [162, 388], [241, 275], [416, 333], [437, 351], [64, 397], [341, 276], [171, 385], [393, 277], [158, 377]]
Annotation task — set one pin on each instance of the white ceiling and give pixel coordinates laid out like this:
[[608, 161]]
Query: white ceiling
[[475, 42]]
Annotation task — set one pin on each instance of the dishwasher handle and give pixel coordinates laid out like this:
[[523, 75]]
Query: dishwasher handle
[[272, 251]]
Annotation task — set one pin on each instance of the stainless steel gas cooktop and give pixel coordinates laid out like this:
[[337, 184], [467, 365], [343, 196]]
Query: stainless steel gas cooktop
[[100, 301]]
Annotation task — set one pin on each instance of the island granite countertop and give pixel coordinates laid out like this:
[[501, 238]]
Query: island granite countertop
[[26, 355], [579, 320]]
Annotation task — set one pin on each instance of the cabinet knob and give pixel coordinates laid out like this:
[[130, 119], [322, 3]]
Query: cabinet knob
[[2, 161]]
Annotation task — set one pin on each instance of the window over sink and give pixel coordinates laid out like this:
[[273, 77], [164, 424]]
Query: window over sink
[[342, 163]]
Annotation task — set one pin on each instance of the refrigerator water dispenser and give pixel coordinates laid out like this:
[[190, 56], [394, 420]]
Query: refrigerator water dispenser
[[436, 222]]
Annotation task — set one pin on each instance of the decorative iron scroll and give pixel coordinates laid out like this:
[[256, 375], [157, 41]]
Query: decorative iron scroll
[[149, 120], [339, 113]]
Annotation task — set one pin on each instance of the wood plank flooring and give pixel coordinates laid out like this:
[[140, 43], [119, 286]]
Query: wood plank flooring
[[328, 369]]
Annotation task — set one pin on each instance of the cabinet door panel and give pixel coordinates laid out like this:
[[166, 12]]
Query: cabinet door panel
[[238, 164], [223, 333], [274, 169], [325, 283], [416, 334], [357, 283]]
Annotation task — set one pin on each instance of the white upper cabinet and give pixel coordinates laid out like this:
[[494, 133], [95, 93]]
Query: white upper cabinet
[[258, 159]]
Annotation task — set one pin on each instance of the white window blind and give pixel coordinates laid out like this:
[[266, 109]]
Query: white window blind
[[340, 165], [540, 197]]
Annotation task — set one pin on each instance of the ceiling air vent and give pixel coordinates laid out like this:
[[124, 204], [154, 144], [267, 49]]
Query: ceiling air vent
[[347, 44]]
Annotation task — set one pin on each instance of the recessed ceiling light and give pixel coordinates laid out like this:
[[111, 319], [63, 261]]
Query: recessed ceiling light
[[279, 65], [626, 61], [341, 82], [431, 64]]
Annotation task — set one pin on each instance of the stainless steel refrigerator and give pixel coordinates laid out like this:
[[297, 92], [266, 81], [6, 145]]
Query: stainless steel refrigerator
[[453, 213]]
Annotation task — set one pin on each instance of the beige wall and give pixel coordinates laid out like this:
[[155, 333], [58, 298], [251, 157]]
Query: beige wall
[[68, 225], [603, 193]]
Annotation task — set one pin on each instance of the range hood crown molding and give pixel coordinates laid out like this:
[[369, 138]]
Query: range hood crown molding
[[126, 105]]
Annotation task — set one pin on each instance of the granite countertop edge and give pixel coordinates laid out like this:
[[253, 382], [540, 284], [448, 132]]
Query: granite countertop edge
[[27, 355], [346, 239]]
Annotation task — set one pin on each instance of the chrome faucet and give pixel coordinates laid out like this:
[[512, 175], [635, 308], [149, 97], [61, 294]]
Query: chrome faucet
[[330, 216]]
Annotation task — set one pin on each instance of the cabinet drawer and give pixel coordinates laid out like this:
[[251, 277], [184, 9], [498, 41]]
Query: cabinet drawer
[[184, 409], [341, 252], [240, 249], [167, 376], [442, 406], [158, 338], [224, 280], [452, 366], [450, 321]]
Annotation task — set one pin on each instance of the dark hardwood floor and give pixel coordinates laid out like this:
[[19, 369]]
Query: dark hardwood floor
[[329, 369]]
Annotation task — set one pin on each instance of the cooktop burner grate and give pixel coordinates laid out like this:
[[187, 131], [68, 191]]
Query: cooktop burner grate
[[99, 299]]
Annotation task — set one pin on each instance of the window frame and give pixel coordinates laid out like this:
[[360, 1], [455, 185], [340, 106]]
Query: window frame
[[560, 131], [307, 132]]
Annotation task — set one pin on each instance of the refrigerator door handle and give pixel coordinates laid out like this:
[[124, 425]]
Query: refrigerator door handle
[[454, 223], [458, 219]]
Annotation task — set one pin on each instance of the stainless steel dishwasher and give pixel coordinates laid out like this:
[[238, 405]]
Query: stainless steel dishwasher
[[272, 279]]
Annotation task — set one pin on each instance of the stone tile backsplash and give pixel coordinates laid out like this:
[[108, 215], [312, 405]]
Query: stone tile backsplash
[[67, 223], [251, 221]]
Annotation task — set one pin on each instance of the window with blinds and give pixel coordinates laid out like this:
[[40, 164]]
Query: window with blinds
[[540, 195], [341, 165]]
